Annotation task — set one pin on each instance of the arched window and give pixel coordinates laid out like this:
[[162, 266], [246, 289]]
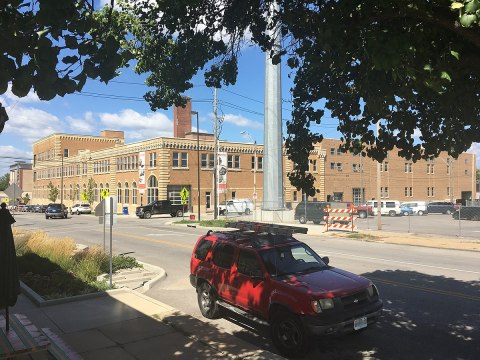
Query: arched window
[[119, 193], [95, 192], [152, 190], [134, 193], [78, 193], [127, 194], [71, 192]]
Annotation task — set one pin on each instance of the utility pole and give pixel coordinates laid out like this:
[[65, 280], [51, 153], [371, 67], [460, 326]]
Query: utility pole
[[61, 182], [379, 180], [198, 165], [215, 155]]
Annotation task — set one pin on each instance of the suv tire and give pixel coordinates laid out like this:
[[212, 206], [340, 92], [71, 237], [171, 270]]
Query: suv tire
[[147, 215], [179, 213], [78, 212], [207, 301], [247, 211], [288, 334], [302, 219]]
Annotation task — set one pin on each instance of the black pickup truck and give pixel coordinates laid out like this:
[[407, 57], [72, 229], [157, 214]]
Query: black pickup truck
[[159, 207]]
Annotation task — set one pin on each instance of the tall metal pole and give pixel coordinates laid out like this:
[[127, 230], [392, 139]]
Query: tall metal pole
[[379, 179], [198, 167], [61, 183], [215, 155], [255, 164], [273, 144]]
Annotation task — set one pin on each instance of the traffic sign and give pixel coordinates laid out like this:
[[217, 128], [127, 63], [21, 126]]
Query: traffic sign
[[6, 200], [105, 193], [184, 194]]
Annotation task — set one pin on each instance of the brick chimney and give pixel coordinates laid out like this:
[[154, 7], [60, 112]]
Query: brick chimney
[[182, 120]]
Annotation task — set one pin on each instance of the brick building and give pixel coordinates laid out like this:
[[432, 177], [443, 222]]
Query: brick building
[[159, 168]]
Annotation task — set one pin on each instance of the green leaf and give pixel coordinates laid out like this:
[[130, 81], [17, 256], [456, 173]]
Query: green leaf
[[456, 5], [444, 75], [455, 54], [468, 20], [428, 67]]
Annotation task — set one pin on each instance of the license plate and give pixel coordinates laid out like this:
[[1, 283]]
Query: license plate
[[360, 323]]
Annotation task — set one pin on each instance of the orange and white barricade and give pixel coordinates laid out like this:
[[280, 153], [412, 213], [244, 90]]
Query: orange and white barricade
[[344, 215]]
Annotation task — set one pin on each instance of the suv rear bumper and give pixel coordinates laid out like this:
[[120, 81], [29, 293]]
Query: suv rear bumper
[[321, 325]]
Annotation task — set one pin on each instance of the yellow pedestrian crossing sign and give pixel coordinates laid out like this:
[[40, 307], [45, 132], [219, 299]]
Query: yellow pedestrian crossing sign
[[184, 195], [6, 200], [104, 193]]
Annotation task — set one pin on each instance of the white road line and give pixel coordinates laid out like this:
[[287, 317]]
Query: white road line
[[404, 263]]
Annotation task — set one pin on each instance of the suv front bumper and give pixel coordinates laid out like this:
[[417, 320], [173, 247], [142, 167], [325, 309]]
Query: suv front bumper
[[324, 324]]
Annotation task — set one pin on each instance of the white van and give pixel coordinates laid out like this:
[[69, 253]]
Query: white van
[[239, 206], [389, 207], [418, 207]]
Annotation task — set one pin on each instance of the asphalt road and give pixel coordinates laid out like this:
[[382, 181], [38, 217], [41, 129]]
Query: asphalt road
[[431, 296]]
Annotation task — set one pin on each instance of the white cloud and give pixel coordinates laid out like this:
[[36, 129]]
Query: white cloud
[[138, 126], [475, 149], [10, 154], [241, 121], [31, 124], [13, 100], [84, 126]]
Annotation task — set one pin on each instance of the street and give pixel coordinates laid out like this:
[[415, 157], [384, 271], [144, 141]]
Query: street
[[431, 297]]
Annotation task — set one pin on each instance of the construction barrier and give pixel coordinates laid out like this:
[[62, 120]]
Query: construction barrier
[[344, 215]]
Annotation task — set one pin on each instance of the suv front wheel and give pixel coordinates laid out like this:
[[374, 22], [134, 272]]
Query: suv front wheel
[[302, 219], [392, 213], [288, 334], [207, 301]]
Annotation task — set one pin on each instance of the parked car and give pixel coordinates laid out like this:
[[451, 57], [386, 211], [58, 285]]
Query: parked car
[[418, 207], [81, 209], [159, 207], [467, 213], [40, 208], [388, 207], [238, 206], [311, 211], [364, 210], [442, 207], [56, 211], [263, 273], [406, 210]]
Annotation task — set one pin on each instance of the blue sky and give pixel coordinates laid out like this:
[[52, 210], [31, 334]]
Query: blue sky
[[120, 106]]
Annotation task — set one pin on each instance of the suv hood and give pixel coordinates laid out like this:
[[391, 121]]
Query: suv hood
[[331, 280]]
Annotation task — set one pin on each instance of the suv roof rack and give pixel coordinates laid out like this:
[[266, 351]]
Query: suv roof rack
[[259, 227]]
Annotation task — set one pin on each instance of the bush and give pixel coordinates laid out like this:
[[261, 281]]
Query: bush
[[54, 268]]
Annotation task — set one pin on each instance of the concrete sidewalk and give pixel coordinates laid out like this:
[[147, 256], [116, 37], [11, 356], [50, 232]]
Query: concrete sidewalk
[[124, 324]]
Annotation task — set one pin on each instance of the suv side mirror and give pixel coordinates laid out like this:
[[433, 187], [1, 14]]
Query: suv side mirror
[[326, 260]]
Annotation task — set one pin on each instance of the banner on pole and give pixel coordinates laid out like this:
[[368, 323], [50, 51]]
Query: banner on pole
[[141, 172], [222, 172]]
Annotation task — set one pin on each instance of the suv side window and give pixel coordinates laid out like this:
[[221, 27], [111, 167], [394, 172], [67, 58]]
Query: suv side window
[[248, 264], [390, 204], [202, 249], [223, 255]]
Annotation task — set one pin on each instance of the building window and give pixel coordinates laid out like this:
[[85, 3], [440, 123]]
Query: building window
[[332, 151], [119, 193], [332, 166], [127, 194], [430, 169], [253, 163], [408, 167], [384, 192], [152, 190], [204, 161], [448, 190], [152, 159], [65, 153], [259, 162], [339, 152], [234, 194], [180, 160], [466, 172], [466, 161], [134, 193], [384, 166], [314, 165], [71, 192], [295, 196], [233, 161], [339, 166], [207, 161], [208, 200], [95, 192]]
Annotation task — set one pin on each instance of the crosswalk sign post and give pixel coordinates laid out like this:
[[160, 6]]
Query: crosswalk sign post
[[184, 194], [105, 193]]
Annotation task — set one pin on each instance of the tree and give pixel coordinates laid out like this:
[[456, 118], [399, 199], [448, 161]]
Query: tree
[[52, 192], [89, 194], [26, 199], [52, 47], [4, 181], [408, 65]]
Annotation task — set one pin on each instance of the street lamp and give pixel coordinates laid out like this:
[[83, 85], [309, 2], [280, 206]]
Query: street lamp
[[246, 133], [198, 164]]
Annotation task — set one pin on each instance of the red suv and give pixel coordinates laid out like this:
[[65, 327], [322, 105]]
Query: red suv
[[264, 273]]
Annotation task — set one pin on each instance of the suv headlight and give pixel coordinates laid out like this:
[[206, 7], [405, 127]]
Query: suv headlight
[[322, 304], [372, 291]]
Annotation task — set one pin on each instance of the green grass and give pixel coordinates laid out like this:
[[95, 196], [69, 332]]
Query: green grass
[[360, 236], [205, 223], [54, 268]]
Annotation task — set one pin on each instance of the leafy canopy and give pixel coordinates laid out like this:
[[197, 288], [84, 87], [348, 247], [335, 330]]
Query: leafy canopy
[[410, 65]]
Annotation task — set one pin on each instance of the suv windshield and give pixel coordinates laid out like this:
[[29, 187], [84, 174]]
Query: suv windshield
[[291, 259]]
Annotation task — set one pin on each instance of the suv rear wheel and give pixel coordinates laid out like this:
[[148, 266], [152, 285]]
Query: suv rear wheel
[[207, 301], [288, 334], [302, 219], [179, 213], [147, 215]]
